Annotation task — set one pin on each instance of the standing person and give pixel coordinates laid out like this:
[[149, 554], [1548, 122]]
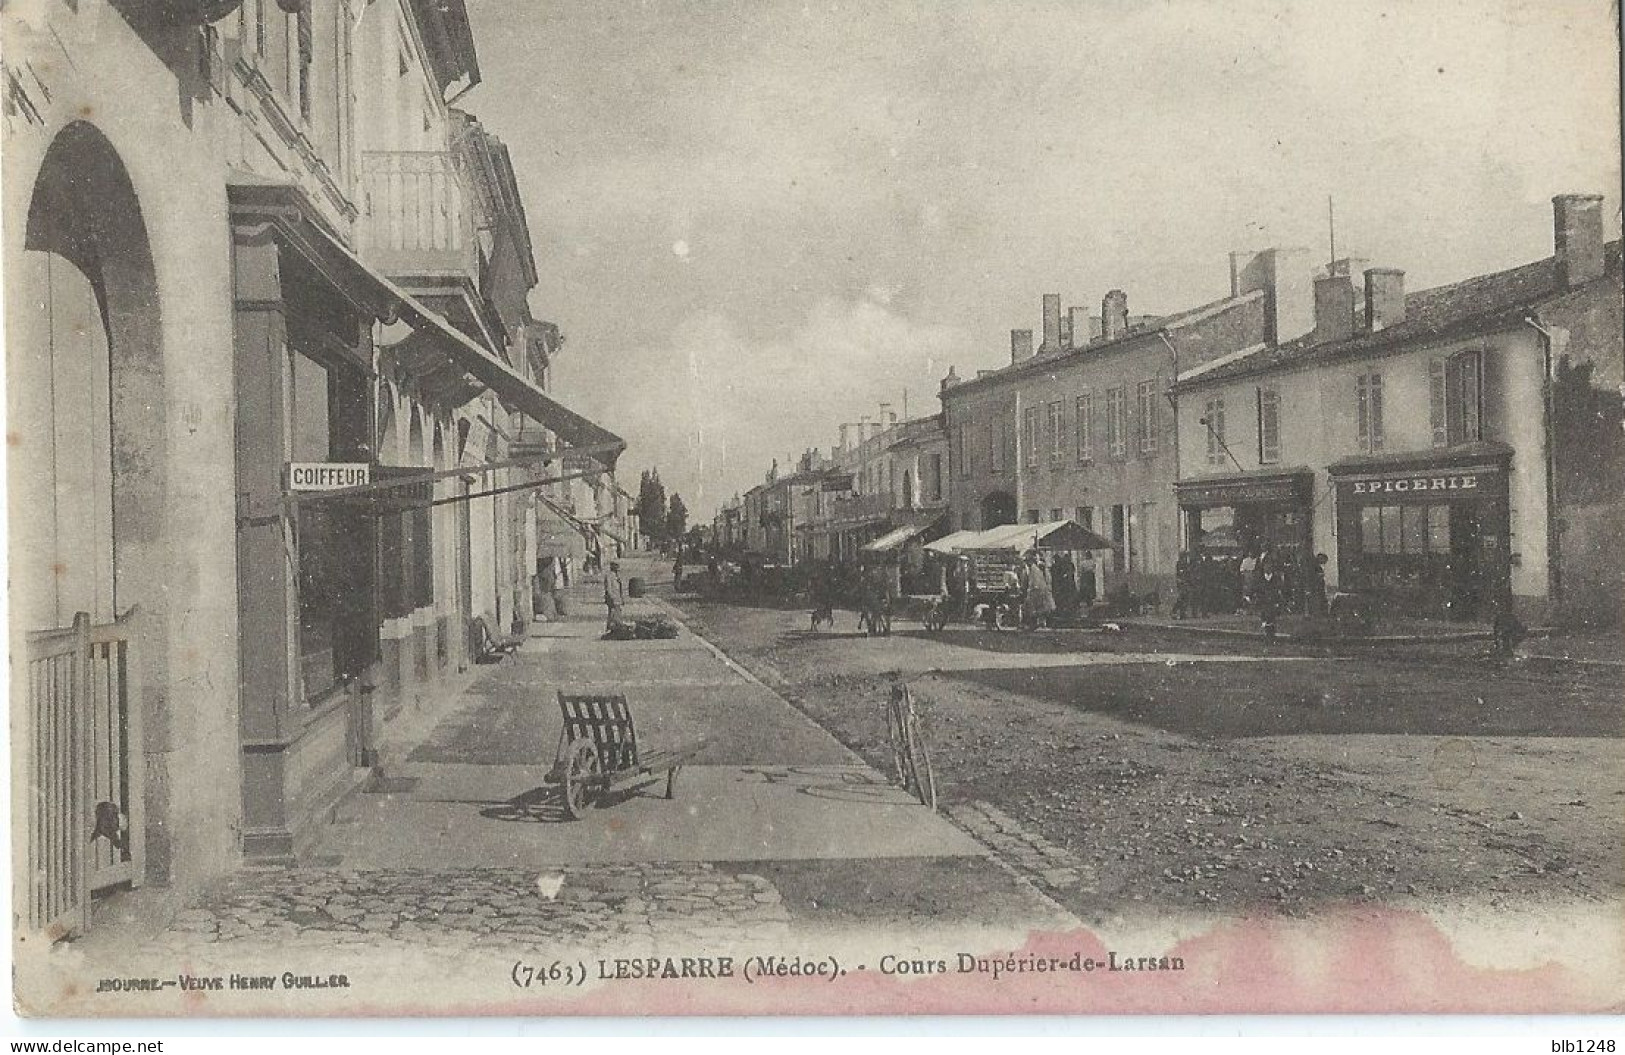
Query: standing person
[[1040, 598], [1314, 585], [547, 579], [614, 595], [1184, 585], [1267, 597], [1249, 574], [1064, 582]]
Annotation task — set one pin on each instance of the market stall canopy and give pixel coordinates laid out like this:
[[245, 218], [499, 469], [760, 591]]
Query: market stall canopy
[[898, 537], [951, 543], [1017, 538]]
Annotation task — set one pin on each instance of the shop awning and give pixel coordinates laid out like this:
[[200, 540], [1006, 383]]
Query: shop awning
[[898, 537], [284, 207], [1017, 538]]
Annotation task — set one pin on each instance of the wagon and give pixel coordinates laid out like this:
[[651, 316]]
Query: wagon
[[598, 753]]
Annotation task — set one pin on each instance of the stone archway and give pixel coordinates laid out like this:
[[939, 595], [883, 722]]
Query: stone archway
[[88, 484], [85, 372]]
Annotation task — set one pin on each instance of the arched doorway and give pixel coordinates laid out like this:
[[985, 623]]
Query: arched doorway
[[998, 509], [85, 375], [87, 491]]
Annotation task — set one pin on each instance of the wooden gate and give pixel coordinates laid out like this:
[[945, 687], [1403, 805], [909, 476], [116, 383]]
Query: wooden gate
[[82, 780]]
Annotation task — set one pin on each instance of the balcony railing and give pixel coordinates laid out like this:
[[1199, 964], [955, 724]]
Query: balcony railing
[[418, 218]]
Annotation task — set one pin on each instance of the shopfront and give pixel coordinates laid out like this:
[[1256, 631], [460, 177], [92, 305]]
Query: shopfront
[[1430, 535], [1249, 511]]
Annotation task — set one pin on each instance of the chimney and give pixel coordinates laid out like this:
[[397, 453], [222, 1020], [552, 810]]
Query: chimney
[[1334, 308], [950, 380], [1078, 323], [1066, 331], [1384, 298], [1113, 315], [1283, 275], [1052, 324], [888, 416], [1021, 346], [1577, 229], [845, 436]]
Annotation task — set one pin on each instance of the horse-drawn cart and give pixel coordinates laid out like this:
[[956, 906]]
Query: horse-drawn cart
[[598, 753]]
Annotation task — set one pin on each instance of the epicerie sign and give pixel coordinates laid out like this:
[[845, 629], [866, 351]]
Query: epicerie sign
[[327, 476], [1416, 485]]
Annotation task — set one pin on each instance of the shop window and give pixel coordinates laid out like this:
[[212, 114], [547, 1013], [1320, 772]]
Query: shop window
[[1368, 413], [1213, 420], [1057, 432], [1116, 427], [1411, 530], [1146, 421], [1269, 426], [1085, 425], [1456, 398]]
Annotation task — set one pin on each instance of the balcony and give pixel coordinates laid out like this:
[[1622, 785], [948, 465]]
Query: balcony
[[417, 218]]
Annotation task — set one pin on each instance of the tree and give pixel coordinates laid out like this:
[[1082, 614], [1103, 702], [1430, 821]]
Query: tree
[[651, 507], [676, 518]]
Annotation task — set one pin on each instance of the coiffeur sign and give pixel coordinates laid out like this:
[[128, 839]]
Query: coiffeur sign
[[327, 476]]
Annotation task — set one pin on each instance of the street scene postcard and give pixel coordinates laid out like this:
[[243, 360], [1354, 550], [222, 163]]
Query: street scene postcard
[[538, 507]]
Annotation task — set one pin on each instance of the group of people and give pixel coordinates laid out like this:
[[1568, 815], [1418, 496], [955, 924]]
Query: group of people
[[1261, 580]]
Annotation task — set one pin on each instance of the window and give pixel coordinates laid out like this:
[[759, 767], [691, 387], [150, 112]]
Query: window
[[1085, 425], [1031, 425], [1116, 434], [1146, 427], [1086, 517], [1213, 420], [1410, 530], [1057, 432], [259, 28], [995, 458], [1119, 536], [1056, 514], [1456, 398], [1269, 426], [1032, 516], [1368, 413], [933, 478], [964, 450]]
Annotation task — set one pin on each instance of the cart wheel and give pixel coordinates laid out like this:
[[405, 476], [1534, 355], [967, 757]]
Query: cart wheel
[[581, 778], [671, 782]]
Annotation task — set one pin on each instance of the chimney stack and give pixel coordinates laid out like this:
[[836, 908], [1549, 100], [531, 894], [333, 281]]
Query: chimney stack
[[1066, 331], [1113, 315], [1283, 275], [846, 431], [1334, 308], [950, 380], [888, 416], [1052, 324], [1078, 323], [1021, 346], [1384, 298], [1577, 230]]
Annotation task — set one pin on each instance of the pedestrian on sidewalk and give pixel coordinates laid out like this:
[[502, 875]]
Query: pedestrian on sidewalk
[[614, 595], [1040, 599]]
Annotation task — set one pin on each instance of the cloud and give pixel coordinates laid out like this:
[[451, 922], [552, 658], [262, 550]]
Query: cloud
[[717, 406]]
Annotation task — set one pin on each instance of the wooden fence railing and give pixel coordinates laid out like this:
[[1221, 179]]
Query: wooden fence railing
[[83, 772]]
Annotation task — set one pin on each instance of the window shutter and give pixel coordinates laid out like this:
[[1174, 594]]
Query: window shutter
[[1489, 386], [1439, 402]]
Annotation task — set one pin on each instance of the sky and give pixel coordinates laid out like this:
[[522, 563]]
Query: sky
[[757, 220]]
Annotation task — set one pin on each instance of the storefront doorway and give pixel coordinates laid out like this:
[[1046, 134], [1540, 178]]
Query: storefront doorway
[[1432, 541]]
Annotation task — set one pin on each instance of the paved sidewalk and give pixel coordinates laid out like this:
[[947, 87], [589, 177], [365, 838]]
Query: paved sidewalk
[[464, 844]]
